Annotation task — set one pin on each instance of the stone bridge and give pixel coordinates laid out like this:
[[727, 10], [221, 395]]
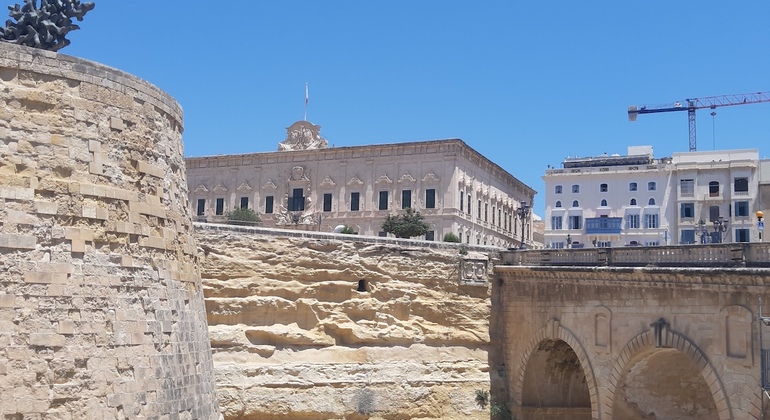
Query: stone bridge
[[632, 333]]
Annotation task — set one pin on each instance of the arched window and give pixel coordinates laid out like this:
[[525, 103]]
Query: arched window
[[651, 186], [558, 204], [651, 202], [575, 204], [713, 189], [633, 202], [604, 203]]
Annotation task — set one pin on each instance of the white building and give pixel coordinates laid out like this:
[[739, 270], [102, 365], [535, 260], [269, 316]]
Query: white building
[[691, 197], [308, 185]]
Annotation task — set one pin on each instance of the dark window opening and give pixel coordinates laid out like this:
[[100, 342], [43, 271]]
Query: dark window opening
[[430, 198], [406, 199], [220, 209], [741, 185], [269, 204], [201, 206], [383, 204], [244, 202], [354, 201], [297, 200], [430, 236], [713, 189], [328, 202], [361, 286]]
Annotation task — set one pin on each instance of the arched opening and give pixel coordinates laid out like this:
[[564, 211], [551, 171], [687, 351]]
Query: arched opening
[[663, 384], [362, 286], [555, 384]]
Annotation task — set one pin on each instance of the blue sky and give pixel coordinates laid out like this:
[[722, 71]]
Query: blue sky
[[524, 83]]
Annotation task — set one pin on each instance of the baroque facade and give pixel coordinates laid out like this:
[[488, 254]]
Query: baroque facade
[[690, 197], [307, 185]]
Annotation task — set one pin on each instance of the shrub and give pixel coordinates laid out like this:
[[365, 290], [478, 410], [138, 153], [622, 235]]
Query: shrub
[[243, 216], [451, 237], [407, 225]]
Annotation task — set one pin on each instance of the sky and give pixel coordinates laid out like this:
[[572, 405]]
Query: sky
[[524, 83]]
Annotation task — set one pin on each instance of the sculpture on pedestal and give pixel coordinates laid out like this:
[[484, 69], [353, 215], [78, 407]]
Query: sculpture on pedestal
[[43, 27]]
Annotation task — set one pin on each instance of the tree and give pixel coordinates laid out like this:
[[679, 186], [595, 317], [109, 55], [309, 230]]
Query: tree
[[348, 230], [407, 225], [243, 216]]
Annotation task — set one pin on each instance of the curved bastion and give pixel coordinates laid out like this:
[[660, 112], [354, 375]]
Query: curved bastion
[[101, 303]]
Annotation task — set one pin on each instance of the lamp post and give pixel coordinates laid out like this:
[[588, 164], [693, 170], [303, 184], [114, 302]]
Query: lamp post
[[720, 226], [760, 224], [523, 213]]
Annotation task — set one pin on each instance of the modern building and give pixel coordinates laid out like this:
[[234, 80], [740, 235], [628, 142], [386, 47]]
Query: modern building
[[632, 200], [308, 185]]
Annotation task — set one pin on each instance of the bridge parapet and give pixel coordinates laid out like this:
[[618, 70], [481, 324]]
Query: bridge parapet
[[712, 255]]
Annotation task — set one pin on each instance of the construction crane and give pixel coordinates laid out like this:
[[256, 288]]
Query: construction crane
[[690, 105]]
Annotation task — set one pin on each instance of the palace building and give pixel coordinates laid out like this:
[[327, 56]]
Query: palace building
[[308, 185]]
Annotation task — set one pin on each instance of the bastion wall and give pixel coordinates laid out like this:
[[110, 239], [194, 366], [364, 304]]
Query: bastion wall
[[311, 326], [101, 305]]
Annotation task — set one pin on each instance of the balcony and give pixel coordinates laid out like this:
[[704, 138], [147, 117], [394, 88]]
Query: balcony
[[603, 225]]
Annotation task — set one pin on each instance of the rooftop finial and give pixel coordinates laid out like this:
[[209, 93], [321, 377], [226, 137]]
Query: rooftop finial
[[45, 27]]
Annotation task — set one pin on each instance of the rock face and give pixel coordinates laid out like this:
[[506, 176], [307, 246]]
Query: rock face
[[323, 328], [101, 305]]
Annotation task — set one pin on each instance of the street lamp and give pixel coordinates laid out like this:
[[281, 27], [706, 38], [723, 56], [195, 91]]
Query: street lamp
[[720, 226], [760, 224], [523, 213]]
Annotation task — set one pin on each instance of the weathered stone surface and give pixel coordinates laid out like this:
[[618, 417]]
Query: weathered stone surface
[[96, 320], [294, 338]]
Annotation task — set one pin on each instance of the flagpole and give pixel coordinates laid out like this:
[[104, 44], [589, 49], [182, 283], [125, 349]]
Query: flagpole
[[306, 98]]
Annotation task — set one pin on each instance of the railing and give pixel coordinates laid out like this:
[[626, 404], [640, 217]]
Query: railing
[[712, 255]]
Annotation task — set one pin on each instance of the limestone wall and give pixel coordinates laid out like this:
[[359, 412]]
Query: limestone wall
[[101, 310], [294, 338]]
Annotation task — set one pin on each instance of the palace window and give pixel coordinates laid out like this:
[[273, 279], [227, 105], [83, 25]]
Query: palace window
[[327, 202], [355, 199], [558, 204], [430, 198], [557, 189], [268, 204], [556, 223], [220, 207], [632, 221], [469, 204], [201, 206], [244, 202], [406, 199], [462, 196], [651, 186], [575, 222], [742, 235], [383, 201], [575, 204], [632, 186], [575, 189], [603, 188], [297, 200], [651, 221], [651, 202], [632, 202], [603, 203]]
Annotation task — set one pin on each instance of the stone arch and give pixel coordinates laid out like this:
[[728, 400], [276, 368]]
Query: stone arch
[[554, 331], [672, 339]]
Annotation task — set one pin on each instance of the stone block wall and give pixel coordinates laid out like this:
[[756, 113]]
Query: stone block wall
[[322, 326], [101, 309]]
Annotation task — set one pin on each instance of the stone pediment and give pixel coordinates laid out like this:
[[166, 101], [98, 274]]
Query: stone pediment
[[269, 185], [328, 183], [220, 188], [406, 178], [383, 179], [355, 181], [244, 187], [432, 178], [201, 188]]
